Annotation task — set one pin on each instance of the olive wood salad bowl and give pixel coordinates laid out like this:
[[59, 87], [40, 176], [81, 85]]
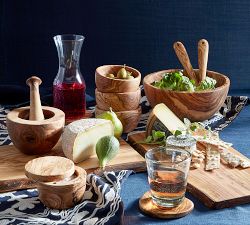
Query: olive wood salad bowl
[[196, 106], [107, 84]]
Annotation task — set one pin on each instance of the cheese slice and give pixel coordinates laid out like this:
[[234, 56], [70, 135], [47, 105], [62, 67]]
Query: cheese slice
[[212, 158], [80, 137], [163, 119]]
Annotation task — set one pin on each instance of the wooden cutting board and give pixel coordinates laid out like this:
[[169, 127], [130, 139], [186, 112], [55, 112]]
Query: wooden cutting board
[[221, 188], [12, 175]]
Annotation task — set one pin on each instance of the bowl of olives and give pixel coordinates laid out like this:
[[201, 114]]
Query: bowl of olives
[[117, 78]]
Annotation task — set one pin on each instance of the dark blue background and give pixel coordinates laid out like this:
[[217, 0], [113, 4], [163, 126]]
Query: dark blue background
[[139, 33]]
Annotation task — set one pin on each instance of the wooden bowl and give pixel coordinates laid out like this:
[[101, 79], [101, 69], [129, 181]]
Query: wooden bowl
[[35, 137], [60, 183], [129, 119], [63, 194], [118, 101], [196, 106], [106, 84]]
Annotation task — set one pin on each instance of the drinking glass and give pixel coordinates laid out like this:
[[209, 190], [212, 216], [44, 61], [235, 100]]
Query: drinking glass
[[167, 175]]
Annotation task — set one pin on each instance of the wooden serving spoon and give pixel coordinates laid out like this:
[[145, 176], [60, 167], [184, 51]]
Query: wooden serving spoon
[[182, 55], [36, 112], [203, 49]]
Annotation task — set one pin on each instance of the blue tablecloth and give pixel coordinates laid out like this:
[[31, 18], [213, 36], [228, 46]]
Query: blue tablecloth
[[239, 134]]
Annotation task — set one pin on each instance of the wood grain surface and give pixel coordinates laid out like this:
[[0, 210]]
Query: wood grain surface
[[196, 106], [118, 101], [49, 168], [220, 188], [63, 194], [147, 206], [106, 84], [203, 48], [129, 119], [35, 137], [36, 112], [183, 57], [12, 174]]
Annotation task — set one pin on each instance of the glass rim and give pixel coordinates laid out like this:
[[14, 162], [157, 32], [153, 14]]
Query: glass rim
[[69, 37], [166, 148]]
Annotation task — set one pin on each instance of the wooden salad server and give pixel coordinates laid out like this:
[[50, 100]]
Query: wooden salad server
[[36, 112], [183, 57], [203, 48]]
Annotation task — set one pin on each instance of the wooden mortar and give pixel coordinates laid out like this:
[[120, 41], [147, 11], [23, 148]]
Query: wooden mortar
[[35, 129], [57, 194]]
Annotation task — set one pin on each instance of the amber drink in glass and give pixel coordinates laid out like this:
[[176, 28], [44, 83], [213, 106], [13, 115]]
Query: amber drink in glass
[[167, 175]]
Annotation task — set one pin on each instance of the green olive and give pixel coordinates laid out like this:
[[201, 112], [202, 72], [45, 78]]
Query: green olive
[[110, 75], [122, 73], [130, 77]]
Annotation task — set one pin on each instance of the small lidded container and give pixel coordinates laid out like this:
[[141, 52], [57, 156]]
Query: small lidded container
[[60, 184], [183, 141]]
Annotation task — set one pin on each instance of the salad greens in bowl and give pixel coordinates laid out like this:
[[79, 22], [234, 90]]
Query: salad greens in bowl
[[183, 96], [176, 81]]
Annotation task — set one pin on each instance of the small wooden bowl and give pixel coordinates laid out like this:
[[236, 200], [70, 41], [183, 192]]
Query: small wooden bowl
[[106, 84], [35, 137], [118, 101], [129, 119], [60, 183], [196, 106], [63, 194]]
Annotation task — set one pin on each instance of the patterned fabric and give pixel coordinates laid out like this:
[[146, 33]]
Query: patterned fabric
[[101, 204]]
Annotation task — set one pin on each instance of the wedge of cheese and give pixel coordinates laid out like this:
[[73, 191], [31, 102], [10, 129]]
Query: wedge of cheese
[[80, 137], [163, 119]]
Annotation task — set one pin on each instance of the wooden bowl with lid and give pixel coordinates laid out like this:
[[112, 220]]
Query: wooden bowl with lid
[[60, 184], [106, 84], [196, 106]]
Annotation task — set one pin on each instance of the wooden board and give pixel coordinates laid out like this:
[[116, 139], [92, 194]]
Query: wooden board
[[221, 188], [12, 175]]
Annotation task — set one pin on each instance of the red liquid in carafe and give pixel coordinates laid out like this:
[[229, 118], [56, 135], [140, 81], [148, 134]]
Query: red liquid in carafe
[[70, 98]]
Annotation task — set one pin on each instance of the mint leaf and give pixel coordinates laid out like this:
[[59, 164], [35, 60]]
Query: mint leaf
[[193, 127], [157, 138], [177, 133], [158, 135]]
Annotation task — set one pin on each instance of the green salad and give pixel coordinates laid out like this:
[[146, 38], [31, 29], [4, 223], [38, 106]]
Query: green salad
[[176, 81]]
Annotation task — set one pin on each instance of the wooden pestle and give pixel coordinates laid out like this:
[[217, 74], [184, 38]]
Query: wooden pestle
[[36, 112], [182, 55], [203, 49]]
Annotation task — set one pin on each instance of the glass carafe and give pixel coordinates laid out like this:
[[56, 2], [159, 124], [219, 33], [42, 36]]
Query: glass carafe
[[69, 85]]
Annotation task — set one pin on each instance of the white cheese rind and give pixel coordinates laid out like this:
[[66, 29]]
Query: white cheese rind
[[80, 137]]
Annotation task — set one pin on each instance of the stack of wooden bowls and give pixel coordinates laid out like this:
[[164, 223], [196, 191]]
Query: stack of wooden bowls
[[122, 95]]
